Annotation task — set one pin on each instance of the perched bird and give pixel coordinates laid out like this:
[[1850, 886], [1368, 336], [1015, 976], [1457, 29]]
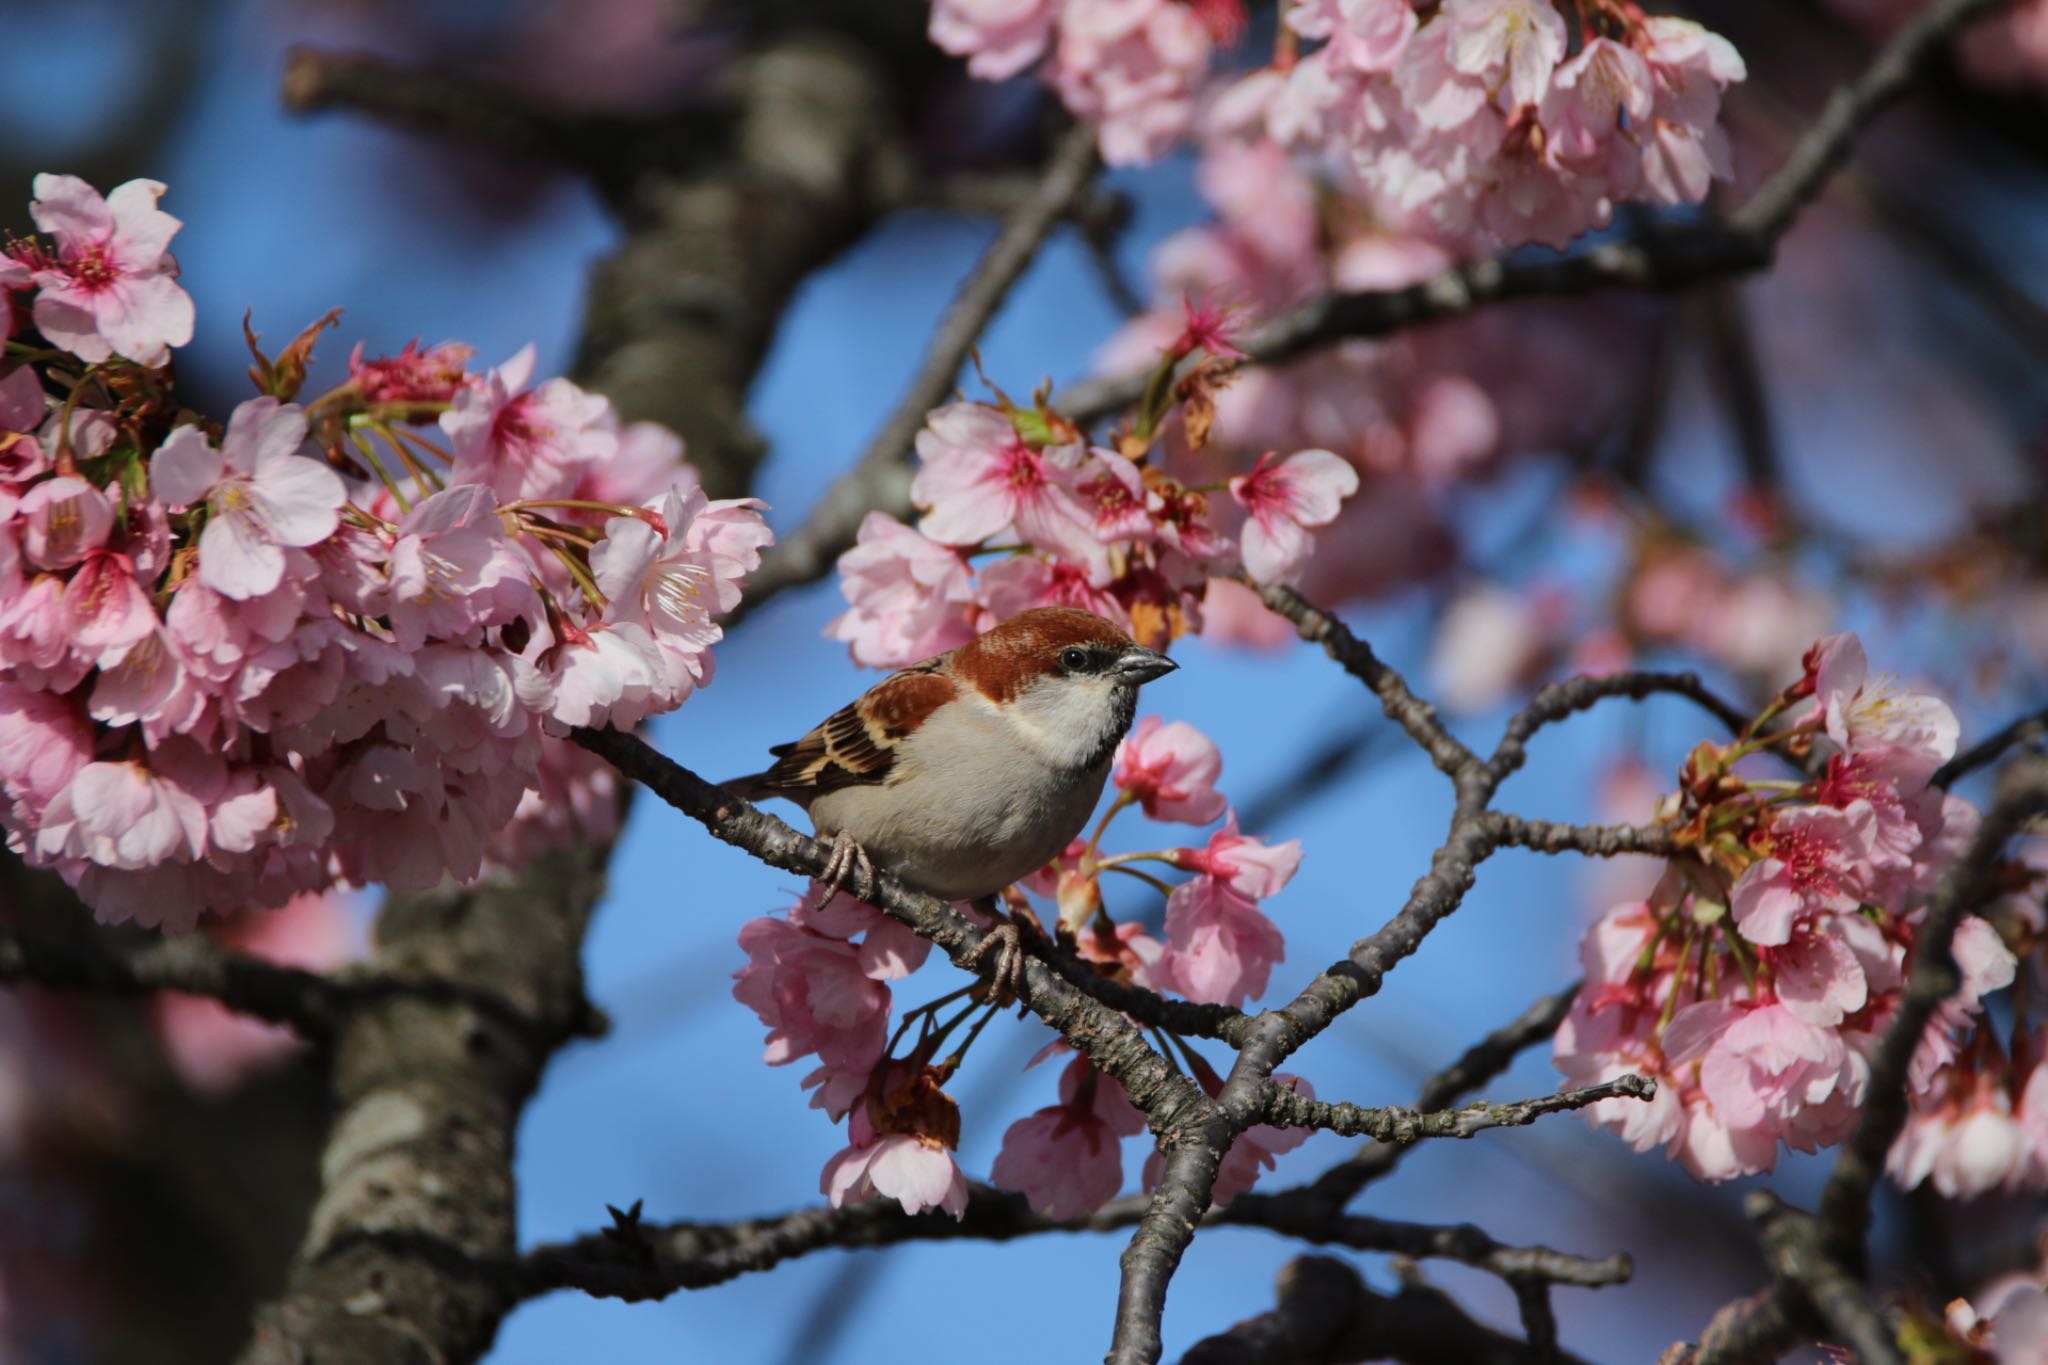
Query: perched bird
[[963, 773]]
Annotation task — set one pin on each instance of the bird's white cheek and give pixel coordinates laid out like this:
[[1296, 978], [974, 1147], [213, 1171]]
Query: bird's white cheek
[[1065, 721]]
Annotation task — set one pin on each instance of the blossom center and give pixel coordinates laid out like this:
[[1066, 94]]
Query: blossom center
[[676, 590], [92, 270]]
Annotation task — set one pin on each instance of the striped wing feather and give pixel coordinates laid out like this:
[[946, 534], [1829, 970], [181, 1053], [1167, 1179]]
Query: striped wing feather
[[856, 744]]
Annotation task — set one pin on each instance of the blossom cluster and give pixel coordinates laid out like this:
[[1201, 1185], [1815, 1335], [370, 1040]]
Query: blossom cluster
[[819, 980], [317, 644], [1489, 121], [1756, 979], [1064, 521], [1136, 68]]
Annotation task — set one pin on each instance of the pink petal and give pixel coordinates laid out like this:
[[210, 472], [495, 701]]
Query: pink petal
[[142, 231], [237, 557], [1274, 549], [70, 210], [1318, 481], [184, 468], [262, 430], [300, 499], [71, 326], [143, 318]]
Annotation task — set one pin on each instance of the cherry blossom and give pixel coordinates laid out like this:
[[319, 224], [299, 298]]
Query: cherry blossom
[[111, 286], [1222, 947], [918, 1172], [1134, 68], [1066, 1159], [1284, 501], [527, 442], [261, 495], [908, 596], [237, 674], [674, 580], [981, 480], [1246, 864], [1817, 860], [901, 1142], [999, 37], [1860, 712], [813, 994], [64, 519], [434, 375], [888, 948], [1171, 768]]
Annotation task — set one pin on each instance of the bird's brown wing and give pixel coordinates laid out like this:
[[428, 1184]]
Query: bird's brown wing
[[856, 744]]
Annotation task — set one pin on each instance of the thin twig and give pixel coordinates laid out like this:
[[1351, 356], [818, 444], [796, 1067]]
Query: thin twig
[[1286, 1109], [2025, 730], [644, 1261], [1825, 146], [1356, 657], [1598, 841], [1480, 1063], [1561, 700]]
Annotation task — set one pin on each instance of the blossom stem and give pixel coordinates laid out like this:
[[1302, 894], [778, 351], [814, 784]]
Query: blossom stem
[[928, 1008], [1123, 799], [1164, 887], [369, 454], [576, 505], [426, 476], [579, 572], [960, 1053], [543, 531], [414, 438]]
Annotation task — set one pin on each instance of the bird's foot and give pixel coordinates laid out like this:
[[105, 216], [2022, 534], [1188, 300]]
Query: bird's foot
[[1005, 944], [849, 863]]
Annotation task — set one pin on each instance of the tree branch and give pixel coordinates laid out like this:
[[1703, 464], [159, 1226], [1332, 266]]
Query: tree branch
[[636, 1261], [609, 149], [193, 964], [1597, 841], [1793, 1247], [1480, 1063], [1326, 1315], [1562, 700], [1286, 1109], [2026, 730], [1417, 717], [1825, 146]]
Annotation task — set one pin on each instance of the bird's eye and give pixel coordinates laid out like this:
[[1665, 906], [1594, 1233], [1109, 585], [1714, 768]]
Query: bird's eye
[[1074, 659]]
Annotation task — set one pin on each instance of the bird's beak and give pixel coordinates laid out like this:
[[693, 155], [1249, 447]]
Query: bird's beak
[[1141, 665]]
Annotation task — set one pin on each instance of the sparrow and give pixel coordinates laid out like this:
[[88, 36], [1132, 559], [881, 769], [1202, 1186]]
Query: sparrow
[[966, 772]]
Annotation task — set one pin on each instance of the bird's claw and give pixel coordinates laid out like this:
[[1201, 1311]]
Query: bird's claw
[[849, 863], [1004, 943]]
